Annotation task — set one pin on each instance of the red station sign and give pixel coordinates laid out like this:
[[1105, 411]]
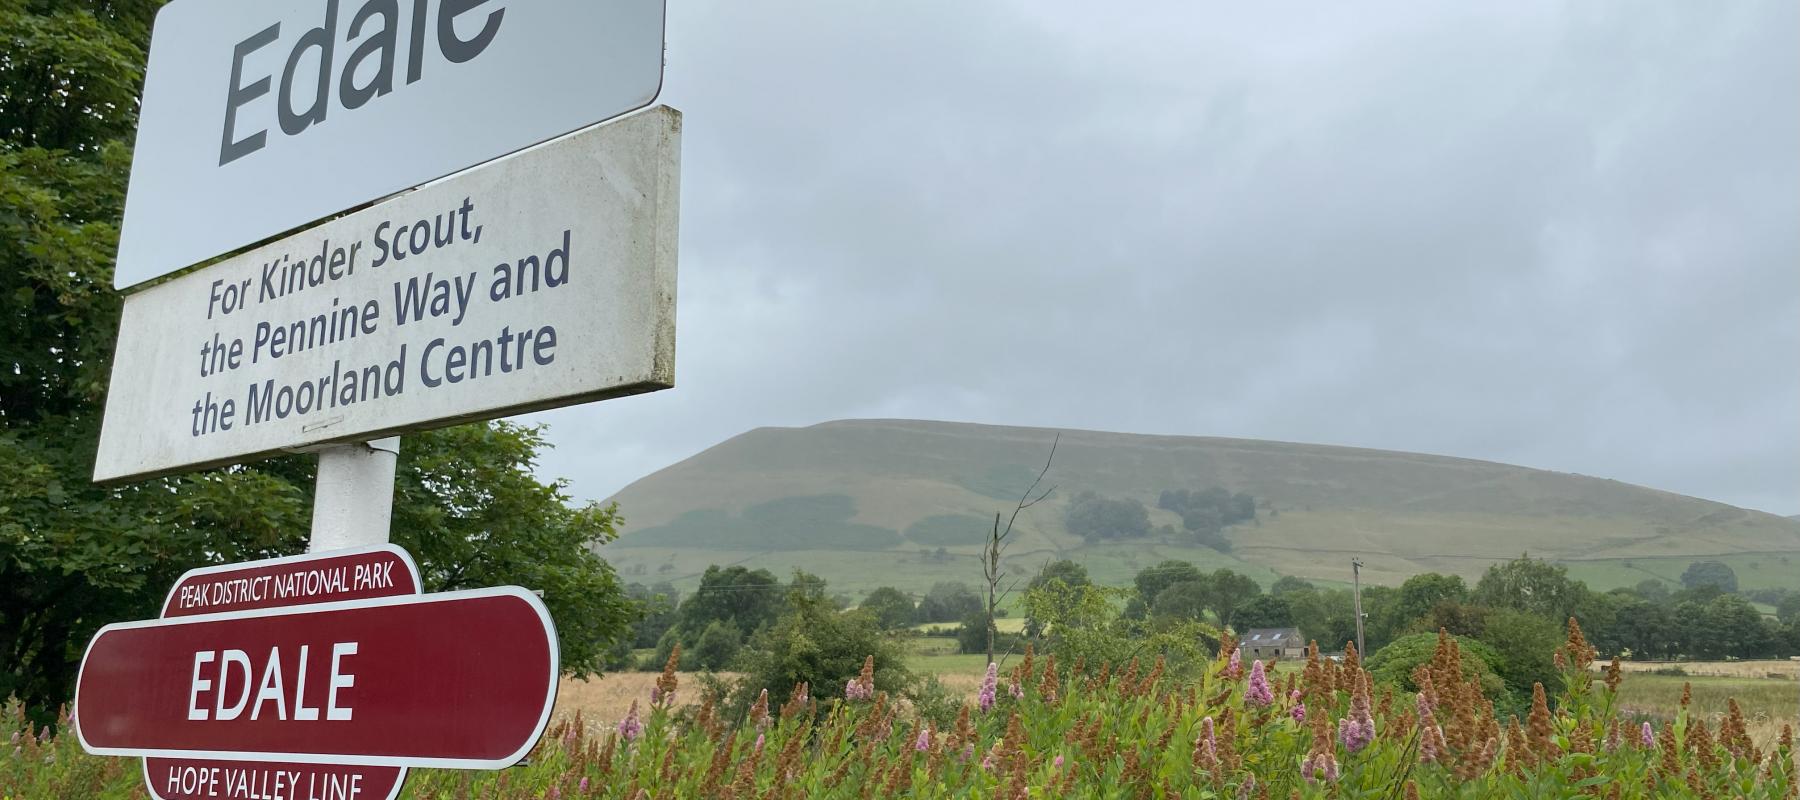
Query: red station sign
[[236, 695], [380, 571]]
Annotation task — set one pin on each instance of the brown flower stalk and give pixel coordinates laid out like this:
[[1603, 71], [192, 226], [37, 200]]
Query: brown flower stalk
[[1670, 764], [1537, 727], [667, 683], [1699, 744]]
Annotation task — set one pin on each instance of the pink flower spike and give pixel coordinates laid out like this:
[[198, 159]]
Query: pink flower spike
[[1647, 735], [1259, 693], [630, 728], [854, 690], [1057, 762], [1234, 668], [923, 743], [988, 684]]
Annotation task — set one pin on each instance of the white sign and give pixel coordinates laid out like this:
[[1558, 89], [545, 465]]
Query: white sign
[[541, 280], [262, 116]]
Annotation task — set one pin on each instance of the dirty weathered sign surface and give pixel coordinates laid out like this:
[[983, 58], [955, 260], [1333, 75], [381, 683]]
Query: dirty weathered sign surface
[[262, 116], [544, 279]]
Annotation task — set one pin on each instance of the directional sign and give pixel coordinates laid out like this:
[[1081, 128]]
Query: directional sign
[[541, 280], [379, 571], [458, 679], [262, 116]]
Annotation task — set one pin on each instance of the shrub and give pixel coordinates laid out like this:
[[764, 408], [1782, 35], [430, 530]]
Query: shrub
[[820, 646], [717, 646], [1395, 664]]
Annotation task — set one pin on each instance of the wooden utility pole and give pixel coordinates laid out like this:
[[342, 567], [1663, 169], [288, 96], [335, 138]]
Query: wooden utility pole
[[1362, 650]]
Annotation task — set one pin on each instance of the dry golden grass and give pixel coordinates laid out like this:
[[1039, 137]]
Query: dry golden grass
[[1775, 669], [961, 682], [1764, 689], [604, 701]]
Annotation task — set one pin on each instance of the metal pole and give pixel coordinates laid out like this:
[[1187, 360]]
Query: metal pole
[[353, 502], [1356, 580]]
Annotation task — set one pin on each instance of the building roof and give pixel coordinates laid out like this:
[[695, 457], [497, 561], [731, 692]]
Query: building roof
[[1271, 637]]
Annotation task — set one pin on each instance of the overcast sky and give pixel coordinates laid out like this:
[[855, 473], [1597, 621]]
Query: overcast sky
[[1556, 234]]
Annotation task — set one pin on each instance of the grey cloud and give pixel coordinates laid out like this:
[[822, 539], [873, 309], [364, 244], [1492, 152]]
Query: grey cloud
[[1555, 234]]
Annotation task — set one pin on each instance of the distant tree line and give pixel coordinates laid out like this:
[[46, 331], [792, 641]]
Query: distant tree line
[[1511, 620]]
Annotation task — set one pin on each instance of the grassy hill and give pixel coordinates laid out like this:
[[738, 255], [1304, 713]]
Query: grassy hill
[[868, 502]]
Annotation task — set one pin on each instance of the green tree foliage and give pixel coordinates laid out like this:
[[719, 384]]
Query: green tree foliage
[[1096, 518], [1395, 663], [1067, 572], [74, 556], [948, 601], [1789, 610], [1264, 611], [1647, 629], [1421, 593], [715, 647], [1531, 585], [1379, 622], [1652, 590], [1710, 573], [1227, 591], [1206, 513], [655, 606], [890, 607], [1461, 619], [1184, 600], [746, 599], [1525, 643], [814, 643], [1729, 626], [1150, 581], [1063, 570], [1287, 584], [1326, 616], [1081, 623]]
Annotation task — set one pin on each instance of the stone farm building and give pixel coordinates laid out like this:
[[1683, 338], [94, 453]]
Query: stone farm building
[[1270, 643]]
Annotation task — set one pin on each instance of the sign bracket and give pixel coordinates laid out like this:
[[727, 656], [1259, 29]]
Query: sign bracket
[[353, 499]]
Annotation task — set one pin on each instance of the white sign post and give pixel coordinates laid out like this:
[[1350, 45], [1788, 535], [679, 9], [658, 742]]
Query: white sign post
[[262, 116], [544, 279]]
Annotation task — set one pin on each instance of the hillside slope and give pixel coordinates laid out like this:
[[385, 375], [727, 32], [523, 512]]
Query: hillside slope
[[872, 500]]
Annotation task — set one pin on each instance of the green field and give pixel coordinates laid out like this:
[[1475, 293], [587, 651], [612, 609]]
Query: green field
[[938, 656], [1003, 624], [1754, 570]]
